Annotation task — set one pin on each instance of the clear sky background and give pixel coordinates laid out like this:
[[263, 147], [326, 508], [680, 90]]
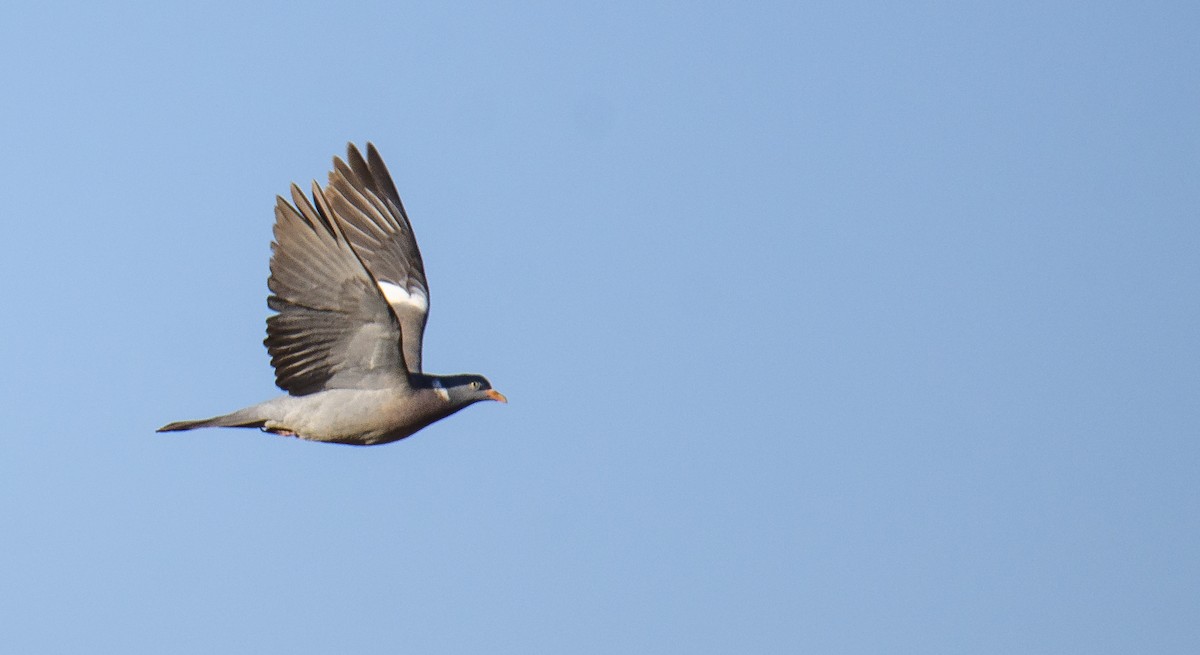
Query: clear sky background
[[833, 328]]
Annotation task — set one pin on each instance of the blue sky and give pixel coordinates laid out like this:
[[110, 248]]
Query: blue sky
[[835, 327]]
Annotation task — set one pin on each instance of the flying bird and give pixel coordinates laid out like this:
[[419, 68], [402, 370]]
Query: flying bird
[[348, 285]]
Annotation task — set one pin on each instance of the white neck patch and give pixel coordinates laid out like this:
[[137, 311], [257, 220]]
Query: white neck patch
[[440, 390], [398, 295]]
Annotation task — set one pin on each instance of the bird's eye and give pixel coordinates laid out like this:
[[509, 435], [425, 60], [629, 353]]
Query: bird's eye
[[475, 386]]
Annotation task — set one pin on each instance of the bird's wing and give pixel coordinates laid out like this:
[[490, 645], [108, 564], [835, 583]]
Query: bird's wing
[[334, 330], [368, 206]]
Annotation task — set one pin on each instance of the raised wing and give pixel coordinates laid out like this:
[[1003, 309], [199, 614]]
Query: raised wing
[[368, 208], [333, 330]]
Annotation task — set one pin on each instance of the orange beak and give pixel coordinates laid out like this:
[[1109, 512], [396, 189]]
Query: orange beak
[[495, 395]]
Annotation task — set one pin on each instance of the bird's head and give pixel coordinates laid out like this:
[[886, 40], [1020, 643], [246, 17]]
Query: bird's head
[[466, 389]]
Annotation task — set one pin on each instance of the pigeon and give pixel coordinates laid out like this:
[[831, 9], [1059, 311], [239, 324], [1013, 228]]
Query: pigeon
[[351, 300]]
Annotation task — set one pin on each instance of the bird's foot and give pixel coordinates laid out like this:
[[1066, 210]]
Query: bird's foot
[[283, 432]]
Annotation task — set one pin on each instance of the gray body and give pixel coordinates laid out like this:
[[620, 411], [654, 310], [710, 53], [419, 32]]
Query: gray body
[[362, 417], [349, 287]]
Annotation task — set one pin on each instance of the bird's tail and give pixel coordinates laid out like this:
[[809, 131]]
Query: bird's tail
[[242, 418]]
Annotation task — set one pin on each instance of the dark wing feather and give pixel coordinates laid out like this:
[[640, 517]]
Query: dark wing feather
[[369, 209], [334, 329]]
